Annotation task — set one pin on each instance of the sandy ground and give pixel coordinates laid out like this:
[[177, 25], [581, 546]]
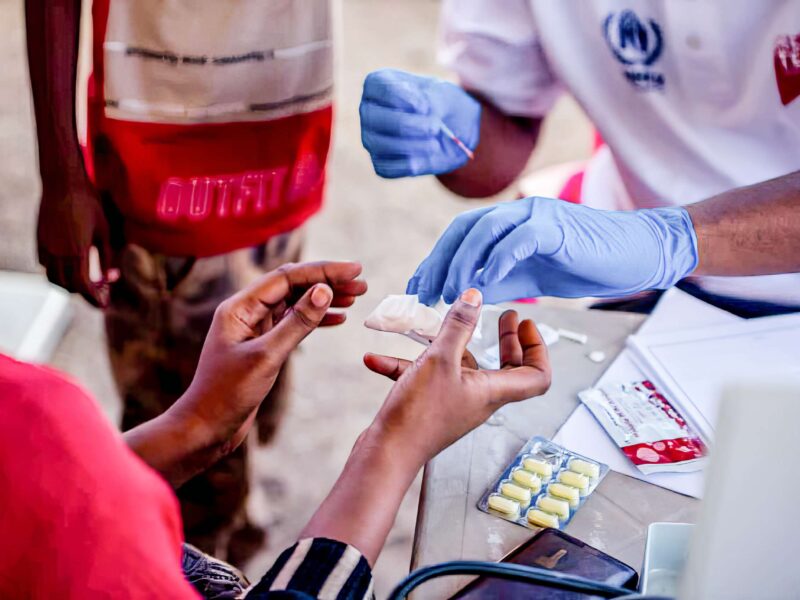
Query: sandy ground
[[388, 225]]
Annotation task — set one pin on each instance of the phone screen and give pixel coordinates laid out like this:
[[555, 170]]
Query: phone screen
[[555, 550]]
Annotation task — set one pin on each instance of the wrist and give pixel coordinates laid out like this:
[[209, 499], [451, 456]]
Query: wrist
[[195, 434], [65, 171], [677, 241], [396, 451]]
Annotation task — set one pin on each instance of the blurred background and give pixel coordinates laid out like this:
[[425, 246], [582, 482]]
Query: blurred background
[[387, 225]]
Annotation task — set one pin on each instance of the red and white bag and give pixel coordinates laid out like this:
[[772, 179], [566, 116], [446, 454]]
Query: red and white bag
[[646, 427]]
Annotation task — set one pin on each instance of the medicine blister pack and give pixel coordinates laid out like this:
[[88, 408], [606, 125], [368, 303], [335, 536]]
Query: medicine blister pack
[[544, 485]]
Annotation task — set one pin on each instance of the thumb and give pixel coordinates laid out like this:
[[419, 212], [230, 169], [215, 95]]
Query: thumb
[[102, 241], [300, 320], [458, 326]]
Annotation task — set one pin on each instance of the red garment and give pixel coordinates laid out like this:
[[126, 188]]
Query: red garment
[[81, 516], [210, 127]]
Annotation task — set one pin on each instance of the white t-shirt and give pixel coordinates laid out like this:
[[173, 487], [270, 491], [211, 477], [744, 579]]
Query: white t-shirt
[[693, 97]]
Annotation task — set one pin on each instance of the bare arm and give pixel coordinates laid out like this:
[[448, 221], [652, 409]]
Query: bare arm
[[753, 230], [361, 508], [177, 445], [506, 144], [53, 28], [250, 338], [436, 400], [71, 218]]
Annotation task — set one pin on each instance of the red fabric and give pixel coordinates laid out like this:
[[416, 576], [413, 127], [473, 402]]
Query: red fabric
[[207, 189], [786, 58], [204, 189], [571, 192], [82, 516]]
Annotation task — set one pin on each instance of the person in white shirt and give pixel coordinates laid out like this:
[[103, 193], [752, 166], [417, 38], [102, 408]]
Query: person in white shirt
[[694, 99]]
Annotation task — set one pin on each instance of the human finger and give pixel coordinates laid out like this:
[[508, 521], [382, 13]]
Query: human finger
[[430, 276], [510, 347], [535, 237], [388, 366], [331, 319], [526, 381], [479, 242], [458, 326], [255, 302], [105, 252], [393, 88], [355, 287], [343, 301], [394, 122], [75, 274], [534, 350], [300, 319]]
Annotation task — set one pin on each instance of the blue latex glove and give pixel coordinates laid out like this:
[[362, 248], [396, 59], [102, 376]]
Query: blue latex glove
[[545, 247], [401, 123]]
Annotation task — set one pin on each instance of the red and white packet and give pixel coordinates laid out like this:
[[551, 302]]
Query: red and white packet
[[646, 427]]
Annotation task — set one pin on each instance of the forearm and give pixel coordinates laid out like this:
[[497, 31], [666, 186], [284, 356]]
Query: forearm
[[53, 28], [361, 508], [752, 230], [505, 145], [177, 445]]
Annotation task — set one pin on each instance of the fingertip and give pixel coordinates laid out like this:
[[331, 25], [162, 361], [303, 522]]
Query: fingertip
[[472, 297], [358, 268], [332, 319], [528, 333], [375, 363], [427, 297], [509, 317], [412, 286], [321, 295]]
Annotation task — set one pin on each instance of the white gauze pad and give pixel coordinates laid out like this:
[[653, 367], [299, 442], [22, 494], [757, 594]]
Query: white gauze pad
[[406, 315]]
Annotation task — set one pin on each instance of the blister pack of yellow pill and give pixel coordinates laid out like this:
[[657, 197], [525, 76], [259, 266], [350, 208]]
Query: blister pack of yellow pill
[[544, 485]]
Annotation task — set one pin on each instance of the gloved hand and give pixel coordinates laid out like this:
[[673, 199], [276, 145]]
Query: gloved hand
[[401, 123], [546, 247]]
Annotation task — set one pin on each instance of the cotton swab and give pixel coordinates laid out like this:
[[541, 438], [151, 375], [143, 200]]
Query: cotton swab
[[449, 133]]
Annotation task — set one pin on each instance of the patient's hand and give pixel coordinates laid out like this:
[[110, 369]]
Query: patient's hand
[[440, 397], [250, 338], [254, 332], [436, 400]]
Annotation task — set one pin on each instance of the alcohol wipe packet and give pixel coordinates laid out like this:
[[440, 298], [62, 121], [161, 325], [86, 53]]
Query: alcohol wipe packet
[[646, 427]]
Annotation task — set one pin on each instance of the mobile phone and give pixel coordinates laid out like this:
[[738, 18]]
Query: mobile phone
[[553, 549]]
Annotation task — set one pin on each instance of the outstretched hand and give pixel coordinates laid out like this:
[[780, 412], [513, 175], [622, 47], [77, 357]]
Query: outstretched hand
[[436, 399], [439, 397]]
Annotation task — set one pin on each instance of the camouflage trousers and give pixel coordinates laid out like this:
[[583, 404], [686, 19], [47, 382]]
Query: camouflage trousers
[[159, 313]]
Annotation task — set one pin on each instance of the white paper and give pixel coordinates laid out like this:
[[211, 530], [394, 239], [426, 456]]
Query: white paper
[[692, 366], [584, 435]]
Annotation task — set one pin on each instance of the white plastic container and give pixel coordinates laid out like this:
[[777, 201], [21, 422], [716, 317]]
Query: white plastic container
[[665, 558]]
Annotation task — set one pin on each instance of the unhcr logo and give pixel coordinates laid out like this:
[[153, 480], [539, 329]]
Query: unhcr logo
[[636, 44]]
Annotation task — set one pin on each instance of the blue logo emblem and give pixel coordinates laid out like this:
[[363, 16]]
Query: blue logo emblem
[[637, 44]]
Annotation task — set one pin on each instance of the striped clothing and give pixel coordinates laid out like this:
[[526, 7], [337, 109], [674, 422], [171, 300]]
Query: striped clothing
[[317, 568]]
